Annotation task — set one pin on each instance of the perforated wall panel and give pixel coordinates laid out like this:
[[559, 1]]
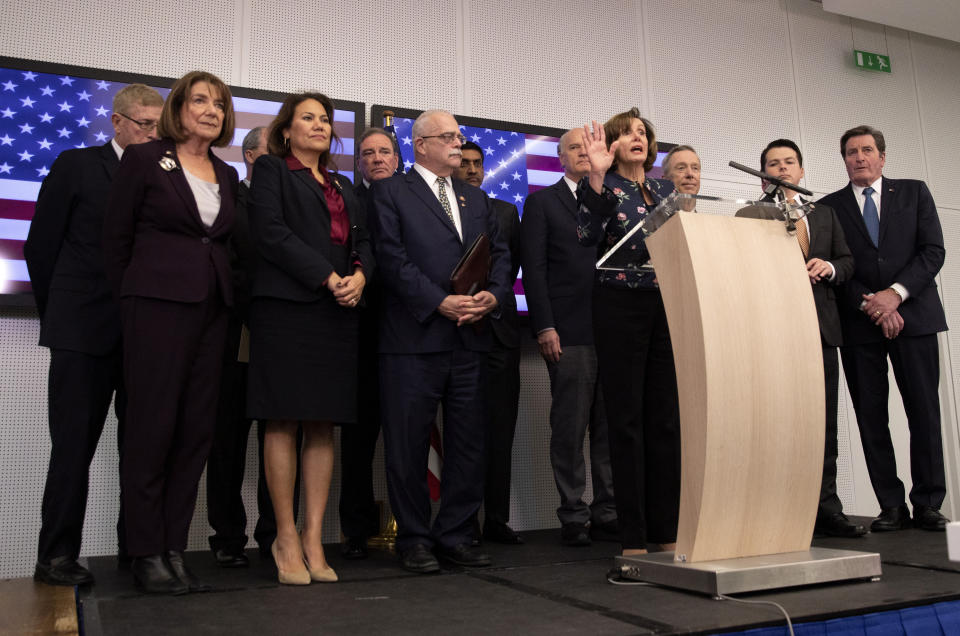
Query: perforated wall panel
[[720, 78], [398, 53], [156, 38], [834, 96], [937, 65], [558, 64]]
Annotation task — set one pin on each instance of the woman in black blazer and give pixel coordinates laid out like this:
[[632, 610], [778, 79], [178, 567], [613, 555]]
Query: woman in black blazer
[[314, 258], [165, 241]]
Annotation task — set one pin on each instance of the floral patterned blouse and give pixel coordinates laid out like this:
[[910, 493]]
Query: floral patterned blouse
[[603, 219]]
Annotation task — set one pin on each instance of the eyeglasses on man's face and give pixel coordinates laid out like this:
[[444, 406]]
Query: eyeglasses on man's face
[[447, 137], [145, 125]]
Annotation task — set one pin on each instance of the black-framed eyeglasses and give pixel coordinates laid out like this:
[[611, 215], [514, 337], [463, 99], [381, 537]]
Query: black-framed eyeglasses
[[447, 137], [146, 125]]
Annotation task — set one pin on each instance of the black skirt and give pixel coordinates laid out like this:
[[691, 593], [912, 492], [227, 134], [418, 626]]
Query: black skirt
[[303, 361]]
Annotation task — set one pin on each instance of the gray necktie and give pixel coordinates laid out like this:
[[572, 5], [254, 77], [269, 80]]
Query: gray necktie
[[442, 193]]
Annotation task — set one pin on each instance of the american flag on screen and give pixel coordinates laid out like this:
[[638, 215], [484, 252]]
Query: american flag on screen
[[43, 114], [515, 164]]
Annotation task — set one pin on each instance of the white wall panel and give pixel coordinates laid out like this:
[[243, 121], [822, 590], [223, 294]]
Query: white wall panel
[[834, 95], [937, 65], [720, 78], [555, 64], [156, 38], [398, 53]]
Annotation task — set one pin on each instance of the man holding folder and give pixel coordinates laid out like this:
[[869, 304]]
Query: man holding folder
[[432, 342]]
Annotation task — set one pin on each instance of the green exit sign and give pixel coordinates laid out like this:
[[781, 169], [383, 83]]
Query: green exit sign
[[871, 61]]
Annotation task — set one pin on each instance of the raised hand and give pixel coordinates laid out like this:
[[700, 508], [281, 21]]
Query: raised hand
[[601, 158]]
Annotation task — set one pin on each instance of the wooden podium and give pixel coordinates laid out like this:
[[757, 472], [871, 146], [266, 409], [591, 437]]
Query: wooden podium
[[746, 344]]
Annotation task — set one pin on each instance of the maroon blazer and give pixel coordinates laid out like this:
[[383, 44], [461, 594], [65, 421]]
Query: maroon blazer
[[154, 242]]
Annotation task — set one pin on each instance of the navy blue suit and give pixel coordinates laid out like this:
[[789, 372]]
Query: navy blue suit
[[80, 323], [426, 360], [910, 252]]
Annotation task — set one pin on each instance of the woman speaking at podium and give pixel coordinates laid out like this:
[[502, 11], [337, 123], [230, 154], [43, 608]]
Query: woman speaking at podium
[[634, 353]]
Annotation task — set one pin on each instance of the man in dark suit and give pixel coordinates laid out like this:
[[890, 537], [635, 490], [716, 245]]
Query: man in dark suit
[[433, 342], [503, 370], [829, 264], [359, 514], [558, 277], [228, 455], [890, 307], [80, 323], [682, 166]]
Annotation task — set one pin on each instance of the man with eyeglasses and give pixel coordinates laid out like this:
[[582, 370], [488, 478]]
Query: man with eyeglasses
[[80, 323], [433, 342], [377, 159]]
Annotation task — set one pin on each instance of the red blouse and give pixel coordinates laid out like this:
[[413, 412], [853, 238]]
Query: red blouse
[[339, 221]]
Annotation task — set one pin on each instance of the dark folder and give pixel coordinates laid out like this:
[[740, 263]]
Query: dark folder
[[470, 274]]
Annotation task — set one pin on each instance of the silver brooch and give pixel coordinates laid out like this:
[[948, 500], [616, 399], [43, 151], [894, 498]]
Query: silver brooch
[[168, 164]]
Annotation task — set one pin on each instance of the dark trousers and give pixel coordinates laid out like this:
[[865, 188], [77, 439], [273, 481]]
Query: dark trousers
[[639, 383], [412, 386], [502, 398], [172, 362], [79, 391], [359, 513], [576, 408], [829, 501], [916, 367]]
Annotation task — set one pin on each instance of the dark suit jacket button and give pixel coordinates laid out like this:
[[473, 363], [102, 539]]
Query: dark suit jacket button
[[205, 240]]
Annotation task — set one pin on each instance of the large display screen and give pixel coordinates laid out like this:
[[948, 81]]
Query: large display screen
[[46, 109], [518, 159]]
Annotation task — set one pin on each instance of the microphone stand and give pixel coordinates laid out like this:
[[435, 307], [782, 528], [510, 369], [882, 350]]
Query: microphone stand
[[774, 191]]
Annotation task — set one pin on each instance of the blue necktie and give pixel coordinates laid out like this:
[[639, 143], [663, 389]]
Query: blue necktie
[[870, 216]]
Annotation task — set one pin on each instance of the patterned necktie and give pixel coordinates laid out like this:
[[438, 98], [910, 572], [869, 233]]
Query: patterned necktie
[[803, 238], [442, 193], [870, 216]]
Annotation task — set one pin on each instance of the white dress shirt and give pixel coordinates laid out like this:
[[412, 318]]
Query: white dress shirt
[[431, 180]]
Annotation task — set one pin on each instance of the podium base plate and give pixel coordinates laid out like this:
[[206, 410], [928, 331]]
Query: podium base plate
[[749, 574]]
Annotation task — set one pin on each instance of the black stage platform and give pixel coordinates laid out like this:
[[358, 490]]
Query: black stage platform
[[537, 588]]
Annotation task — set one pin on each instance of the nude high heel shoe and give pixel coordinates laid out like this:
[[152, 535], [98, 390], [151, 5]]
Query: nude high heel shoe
[[325, 574], [290, 577]]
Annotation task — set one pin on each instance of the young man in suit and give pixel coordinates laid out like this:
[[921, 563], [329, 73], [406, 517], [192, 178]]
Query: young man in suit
[[829, 264], [558, 276], [503, 370], [80, 323], [433, 342], [890, 307], [377, 159]]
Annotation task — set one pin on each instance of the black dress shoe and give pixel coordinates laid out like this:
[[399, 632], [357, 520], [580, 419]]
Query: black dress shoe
[[152, 575], [929, 519], [354, 548], [837, 525], [124, 562], [891, 519], [501, 533], [231, 558], [182, 572], [463, 554], [606, 531], [574, 534], [62, 570], [419, 559]]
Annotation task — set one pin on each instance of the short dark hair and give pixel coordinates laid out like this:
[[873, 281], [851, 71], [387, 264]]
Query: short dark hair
[[863, 130], [620, 124], [275, 140], [170, 125], [469, 145], [780, 143]]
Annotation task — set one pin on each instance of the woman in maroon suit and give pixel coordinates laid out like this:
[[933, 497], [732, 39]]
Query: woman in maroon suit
[[309, 229], [165, 241]]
